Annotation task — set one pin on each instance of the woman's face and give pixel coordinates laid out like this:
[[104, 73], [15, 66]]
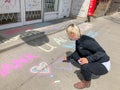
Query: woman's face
[[73, 36]]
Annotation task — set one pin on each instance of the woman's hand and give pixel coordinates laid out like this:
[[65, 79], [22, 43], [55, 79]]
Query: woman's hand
[[83, 61], [65, 59]]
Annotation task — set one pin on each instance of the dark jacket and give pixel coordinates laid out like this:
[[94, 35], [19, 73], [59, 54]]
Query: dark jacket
[[89, 48]]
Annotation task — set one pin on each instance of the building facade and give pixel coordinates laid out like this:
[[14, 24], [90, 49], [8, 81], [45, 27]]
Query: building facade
[[23, 12]]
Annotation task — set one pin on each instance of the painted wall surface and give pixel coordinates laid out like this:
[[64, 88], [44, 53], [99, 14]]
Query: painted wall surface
[[80, 8], [63, 11], [33, 5], [64, 8], [76, 6], [50, 16], [9, 6]]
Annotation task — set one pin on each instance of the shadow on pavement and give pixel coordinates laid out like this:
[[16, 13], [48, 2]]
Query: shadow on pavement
[[68, 53], [80, 76], [34, 38], [1, 38]]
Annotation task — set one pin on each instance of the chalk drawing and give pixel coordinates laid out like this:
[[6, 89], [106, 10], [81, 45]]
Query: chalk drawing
[[8, 3], [92, 34], [59, 40], [47, 50], [71, 46], [56, 81], [17, 30], [33, 5], [51, 76], [5, 41], [60, 61], [85, 26], [16, 64], [12, 39], [42, 68]]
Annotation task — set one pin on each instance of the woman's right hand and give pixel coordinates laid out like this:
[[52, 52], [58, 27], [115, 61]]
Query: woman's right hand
[[65, 59], [83, 61]]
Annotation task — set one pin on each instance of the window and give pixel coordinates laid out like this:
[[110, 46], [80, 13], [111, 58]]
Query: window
[[51, 5], [33, 15], [33, 9], [9, 18], [10, 11]]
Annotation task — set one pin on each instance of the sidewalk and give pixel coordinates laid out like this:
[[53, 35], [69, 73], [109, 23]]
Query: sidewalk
[[57, 75], [10, 38], [13, 37]]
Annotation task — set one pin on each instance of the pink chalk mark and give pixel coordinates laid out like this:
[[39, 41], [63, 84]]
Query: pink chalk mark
[[16, 30], [5, 69], [16, 64], [7, 1], [30, 57]]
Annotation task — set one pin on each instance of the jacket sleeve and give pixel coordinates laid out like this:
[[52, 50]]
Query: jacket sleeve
[[96, 49], [95, 56], [74, 56]]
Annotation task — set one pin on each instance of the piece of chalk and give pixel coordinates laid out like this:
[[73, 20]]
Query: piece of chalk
[[57, 81], [51, 75]]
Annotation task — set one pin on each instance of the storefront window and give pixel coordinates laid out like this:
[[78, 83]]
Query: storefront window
[[9, 18], [51, 5], [33, 9], [33, 15], [9, 11]]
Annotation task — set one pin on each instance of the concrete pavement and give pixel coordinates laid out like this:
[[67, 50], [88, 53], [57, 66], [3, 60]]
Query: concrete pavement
[[18, 65], [34, 31]]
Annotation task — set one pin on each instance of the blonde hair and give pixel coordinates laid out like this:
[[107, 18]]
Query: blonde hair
[[72, 28]]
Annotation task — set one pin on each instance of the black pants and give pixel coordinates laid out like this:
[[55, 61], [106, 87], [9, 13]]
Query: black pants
[[91, 68], [88, 69]]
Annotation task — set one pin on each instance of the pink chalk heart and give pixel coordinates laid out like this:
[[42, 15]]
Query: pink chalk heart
[[42, 68]]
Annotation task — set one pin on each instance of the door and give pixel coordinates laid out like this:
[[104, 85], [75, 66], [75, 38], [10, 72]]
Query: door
[[51, 9], [65, 6]]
